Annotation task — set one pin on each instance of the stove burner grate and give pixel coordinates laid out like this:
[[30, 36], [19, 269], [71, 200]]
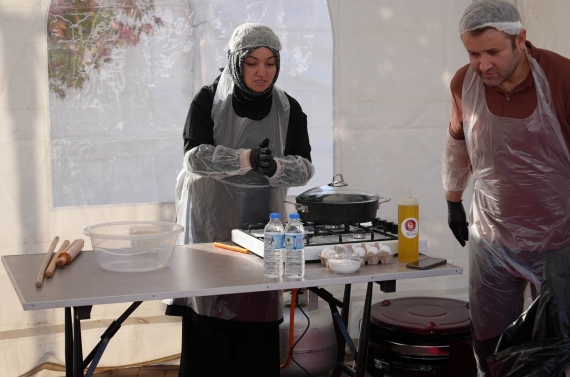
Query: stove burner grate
[[358, 235], [378, 230], [317, 234]]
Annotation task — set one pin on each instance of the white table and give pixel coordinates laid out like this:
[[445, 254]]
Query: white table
[[195, 270]]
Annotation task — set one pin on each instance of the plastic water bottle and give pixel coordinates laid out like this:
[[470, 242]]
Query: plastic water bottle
[[294, 248], [273, 235]]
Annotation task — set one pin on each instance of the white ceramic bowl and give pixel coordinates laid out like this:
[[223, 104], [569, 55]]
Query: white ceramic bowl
[[133, 246], [344, 266]]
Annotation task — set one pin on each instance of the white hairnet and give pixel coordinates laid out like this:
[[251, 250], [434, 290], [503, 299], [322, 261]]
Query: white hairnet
[[252, 35], [498, 14]]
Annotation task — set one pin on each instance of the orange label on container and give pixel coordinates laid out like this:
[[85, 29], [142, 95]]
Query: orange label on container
[[410, 227]]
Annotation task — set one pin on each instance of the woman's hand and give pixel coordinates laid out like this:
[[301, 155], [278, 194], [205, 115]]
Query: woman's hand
[[261, 159], [268, 166]]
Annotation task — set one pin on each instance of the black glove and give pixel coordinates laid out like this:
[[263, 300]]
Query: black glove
[[457, 221], [270, 170], [261, 159]]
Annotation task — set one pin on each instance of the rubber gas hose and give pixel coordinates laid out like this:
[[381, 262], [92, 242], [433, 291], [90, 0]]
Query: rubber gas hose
[[291, 328]]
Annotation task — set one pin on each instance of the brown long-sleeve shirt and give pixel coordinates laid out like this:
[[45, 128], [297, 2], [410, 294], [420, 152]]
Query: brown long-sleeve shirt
[[521, 103]]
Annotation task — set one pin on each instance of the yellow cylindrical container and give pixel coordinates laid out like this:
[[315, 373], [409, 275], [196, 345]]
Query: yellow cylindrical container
[[408, 229]]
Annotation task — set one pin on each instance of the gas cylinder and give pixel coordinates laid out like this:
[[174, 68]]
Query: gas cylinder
[[316, 351]]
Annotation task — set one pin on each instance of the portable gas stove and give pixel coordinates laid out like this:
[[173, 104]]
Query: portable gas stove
[[320, 236]]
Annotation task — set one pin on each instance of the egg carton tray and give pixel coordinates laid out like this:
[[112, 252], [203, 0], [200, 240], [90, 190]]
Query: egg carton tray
[[370, 258]]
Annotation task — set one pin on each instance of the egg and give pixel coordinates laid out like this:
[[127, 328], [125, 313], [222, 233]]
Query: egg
[[360, 251], [327, 252], [373, 249], [386, 248]]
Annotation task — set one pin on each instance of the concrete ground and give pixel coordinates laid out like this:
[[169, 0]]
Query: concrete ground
[[172, 371]]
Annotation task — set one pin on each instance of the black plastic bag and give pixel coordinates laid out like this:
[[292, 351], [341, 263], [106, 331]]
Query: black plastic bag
[[538, 343]]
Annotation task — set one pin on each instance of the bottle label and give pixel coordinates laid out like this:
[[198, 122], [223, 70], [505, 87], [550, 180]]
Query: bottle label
[[410, 227], [294, 241], [274, 241]]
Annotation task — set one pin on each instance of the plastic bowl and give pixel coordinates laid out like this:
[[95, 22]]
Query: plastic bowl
[[344, 265], [133, 246]]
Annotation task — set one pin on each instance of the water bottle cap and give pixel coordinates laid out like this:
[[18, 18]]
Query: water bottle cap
[[274, 216], [294, 216]]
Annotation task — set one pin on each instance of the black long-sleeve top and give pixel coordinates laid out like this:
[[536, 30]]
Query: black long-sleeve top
[[199, 127]]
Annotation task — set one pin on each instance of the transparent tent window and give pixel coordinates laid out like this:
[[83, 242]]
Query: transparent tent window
[[122, 74]]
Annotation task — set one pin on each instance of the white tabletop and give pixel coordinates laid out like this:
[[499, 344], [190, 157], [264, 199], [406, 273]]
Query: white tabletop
[[195, 270]]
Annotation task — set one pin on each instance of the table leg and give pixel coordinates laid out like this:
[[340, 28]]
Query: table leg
[[345, 303], [77, 346], [68, 344], [344, 312], [345, 336], [364, 331], [341, 336], [340, 322], [93, 358]]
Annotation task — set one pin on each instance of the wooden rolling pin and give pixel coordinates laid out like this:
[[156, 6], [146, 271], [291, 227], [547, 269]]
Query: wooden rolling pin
[[47, 258], [71, 252], [53, 264]]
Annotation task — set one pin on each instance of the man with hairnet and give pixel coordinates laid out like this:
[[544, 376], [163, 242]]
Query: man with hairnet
[[245, 143], [510, 131]]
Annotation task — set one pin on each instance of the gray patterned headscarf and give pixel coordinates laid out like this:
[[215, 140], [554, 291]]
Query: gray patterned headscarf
[[244, 40]]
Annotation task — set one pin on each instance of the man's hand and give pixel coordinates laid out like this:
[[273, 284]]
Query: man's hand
[[261, 159], [457, 221]]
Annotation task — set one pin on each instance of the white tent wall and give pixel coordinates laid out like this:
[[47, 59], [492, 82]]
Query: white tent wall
[[546, 23], [393, 64], [393, 61]]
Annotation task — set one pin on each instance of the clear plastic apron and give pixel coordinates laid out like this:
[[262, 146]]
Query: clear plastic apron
[[213, 207], [521, 201]]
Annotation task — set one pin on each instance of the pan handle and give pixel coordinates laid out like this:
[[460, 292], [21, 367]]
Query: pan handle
[[299, 207], [383, 199]]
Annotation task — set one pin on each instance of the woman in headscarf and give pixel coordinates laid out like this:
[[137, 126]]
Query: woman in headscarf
[[234, 177]]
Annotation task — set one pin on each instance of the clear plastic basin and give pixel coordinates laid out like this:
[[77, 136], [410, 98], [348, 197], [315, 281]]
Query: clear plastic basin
[[133, 246]]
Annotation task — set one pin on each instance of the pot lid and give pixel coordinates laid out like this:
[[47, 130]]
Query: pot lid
[[422, 315], [338, 192]]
